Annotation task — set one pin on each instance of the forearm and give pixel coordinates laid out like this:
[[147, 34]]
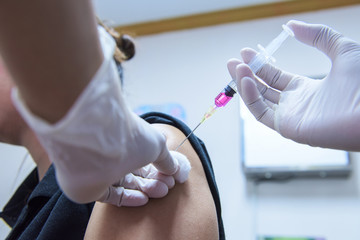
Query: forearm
[[52, 51], [98, 141]]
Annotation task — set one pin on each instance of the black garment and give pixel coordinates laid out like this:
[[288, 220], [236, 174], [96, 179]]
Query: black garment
[[39, 210]]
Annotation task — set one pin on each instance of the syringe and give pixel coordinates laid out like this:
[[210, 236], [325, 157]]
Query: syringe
[[264, 56]]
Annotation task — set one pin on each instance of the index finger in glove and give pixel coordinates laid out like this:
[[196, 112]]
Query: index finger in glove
[[242, 70], [165, 163], [231, 65], [257, 105], [183, 166], [274, 77], [182, 173]]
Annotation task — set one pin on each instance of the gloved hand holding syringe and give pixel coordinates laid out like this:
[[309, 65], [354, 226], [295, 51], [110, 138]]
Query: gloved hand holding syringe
[[263, 57]]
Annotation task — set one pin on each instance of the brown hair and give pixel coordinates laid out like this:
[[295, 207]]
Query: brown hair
[[125, 45]]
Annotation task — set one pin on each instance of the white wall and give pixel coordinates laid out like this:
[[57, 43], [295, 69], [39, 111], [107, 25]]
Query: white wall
[[189, 67], [16, 163]]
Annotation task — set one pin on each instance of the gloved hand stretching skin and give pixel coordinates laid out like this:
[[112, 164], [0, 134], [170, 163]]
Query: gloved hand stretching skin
[[136, 188], [325, 112], [100, 141]]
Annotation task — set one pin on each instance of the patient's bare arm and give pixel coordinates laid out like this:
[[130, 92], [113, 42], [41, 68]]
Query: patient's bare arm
[[187, 212]]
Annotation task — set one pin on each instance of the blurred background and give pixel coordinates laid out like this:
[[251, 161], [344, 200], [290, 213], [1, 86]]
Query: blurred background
[[180, 66]]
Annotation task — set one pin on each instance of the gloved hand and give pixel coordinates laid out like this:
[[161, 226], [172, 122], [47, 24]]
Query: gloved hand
[[136, 188], [324, 112], [100, 140]]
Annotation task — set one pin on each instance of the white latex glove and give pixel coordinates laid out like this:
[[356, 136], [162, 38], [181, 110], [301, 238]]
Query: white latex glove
[[136, 188], [323, 112], [100, 140]]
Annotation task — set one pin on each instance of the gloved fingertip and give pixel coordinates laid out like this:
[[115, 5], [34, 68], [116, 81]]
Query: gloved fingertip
[[168, 180], [133, 198], [247, 84], [167, 165], [249, 91], [151, 172], [153, 188], [294, 22], [119, 196], [297, 27], [247, 54], [158, 191], [233, 62], [231, 65], [184, 168], [242, 71]]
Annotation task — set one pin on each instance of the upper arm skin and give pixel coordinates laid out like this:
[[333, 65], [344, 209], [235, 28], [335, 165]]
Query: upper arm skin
[[187, 212]]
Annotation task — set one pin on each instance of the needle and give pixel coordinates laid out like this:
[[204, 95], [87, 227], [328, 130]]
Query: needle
[[207, 115], [188, 135]]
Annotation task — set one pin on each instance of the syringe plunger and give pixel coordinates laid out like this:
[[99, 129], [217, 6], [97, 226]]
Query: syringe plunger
[[265, 54]]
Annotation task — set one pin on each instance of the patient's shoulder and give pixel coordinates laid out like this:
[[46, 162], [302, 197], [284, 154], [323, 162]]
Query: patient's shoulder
[[187, 212]]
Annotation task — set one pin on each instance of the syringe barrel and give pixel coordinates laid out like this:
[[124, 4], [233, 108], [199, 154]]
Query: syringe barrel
[[263, 57], [258, 61], [226, 95], [277, 42], [265, 54]]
